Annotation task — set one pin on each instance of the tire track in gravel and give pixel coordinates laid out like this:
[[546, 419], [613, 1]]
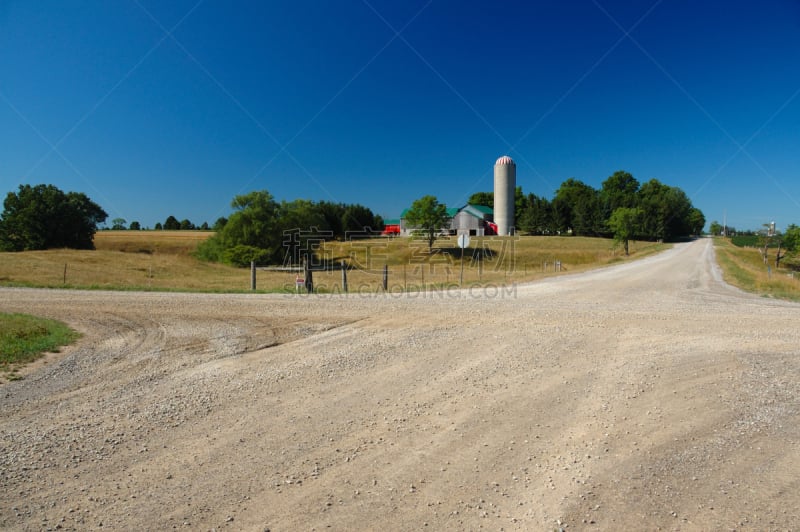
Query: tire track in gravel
[[644, 396]]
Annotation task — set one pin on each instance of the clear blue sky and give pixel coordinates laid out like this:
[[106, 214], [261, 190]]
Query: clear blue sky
[[159, 108]]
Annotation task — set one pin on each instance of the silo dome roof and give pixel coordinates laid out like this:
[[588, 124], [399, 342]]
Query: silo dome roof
[[505, 159]]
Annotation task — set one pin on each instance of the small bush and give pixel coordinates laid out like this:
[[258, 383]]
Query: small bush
[[242, 255]]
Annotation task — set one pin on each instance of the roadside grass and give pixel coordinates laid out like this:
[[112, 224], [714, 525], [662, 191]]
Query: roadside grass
[[25, 338], [745, 269], [164, 261]]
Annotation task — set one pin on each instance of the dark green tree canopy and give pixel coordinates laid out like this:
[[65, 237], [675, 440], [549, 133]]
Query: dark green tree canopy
[[619, 190], [580, 205], [44, 217], [265, 231], [536, 216], [482, 198], [171, 224], [664, 212]]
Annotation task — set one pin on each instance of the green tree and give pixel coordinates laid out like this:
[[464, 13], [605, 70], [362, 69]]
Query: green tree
[[171, 224], [665, 211], [560, 214], [135, 226], [791, 239], [536, 216], [118, 224], [427, 216], [520, 201], [300, 225], [619, 190], [715, 228], [358, 218], [158, 226], [186, 225], [333, 214], [696, 221], [43, 217], [581, 208], [253, 224], [624, 223], [266, 231], [482, 198]]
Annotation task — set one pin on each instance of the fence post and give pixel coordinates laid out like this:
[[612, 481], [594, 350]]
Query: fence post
[[252, 275], [385, 277], [344, 278], [307, 275]]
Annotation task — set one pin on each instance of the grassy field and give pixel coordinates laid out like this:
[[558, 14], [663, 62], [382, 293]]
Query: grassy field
[[745, 268], [488, 261], [125, 260], [24, 338], [182, 243], [162, 260]]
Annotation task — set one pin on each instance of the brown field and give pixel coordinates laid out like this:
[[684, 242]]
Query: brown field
[[166, 242], [501, 261], [125, 260], [162, 260], [745, 268]]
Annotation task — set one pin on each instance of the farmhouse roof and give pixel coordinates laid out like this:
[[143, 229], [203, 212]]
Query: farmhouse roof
[[483, 208], [478, 211]]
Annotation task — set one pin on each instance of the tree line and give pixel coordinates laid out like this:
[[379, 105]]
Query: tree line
[[170, 224], [622, 208], [44, 217], [266, 231]]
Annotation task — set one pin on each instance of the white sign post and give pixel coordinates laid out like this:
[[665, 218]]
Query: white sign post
[[463, 242]]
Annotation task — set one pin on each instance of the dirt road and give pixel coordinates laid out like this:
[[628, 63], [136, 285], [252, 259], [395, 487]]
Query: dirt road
[[645, 396]]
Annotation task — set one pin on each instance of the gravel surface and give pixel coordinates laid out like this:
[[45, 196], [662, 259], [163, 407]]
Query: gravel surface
[[644, 396]]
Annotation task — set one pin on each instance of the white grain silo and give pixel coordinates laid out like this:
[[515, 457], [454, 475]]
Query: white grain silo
[[505, 184]]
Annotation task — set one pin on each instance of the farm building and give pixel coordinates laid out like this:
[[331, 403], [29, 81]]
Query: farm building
[[475, 220], [391, 227], [479, 220]]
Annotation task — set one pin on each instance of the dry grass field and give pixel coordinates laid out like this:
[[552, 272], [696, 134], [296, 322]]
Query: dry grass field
[[487, 261], [149, 242], [125, 260], [745, 268], [163, 260]]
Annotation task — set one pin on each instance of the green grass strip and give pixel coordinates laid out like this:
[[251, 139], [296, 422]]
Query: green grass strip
[[25, 338]]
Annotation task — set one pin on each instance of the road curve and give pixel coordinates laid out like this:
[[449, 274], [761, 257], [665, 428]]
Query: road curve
[[642, 396]]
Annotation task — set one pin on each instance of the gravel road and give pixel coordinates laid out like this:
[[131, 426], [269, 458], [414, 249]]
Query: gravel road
[[644, 396]]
